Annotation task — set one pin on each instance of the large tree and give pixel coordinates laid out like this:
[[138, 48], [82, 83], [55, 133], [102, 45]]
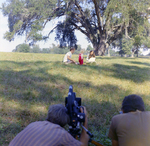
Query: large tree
[[101, 21]]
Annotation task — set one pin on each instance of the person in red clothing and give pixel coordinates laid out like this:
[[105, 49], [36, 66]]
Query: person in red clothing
[[81, 58]]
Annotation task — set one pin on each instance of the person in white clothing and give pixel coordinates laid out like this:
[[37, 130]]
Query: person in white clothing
[[67, 59], [91, 57]]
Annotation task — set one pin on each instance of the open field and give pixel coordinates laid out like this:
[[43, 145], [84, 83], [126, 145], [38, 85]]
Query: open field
[[29, 83]]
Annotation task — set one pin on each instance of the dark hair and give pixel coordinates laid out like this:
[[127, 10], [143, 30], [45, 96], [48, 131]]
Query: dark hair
[[57, 114], [132, 103], [93, 55], [72, 48]]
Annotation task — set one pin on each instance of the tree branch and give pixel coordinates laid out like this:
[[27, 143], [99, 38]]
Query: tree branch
[[86, 22], [79, 8], [53, 13], [117, 32], [98, 16], [52, 30], [79, 28]]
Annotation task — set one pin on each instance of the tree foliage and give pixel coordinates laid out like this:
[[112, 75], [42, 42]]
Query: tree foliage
[[54, 49], [101, 21], [36, 49], [89, 48], [127, 45], [22, 48]]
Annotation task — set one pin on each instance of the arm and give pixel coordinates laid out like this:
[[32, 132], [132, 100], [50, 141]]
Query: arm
[[112, 133], [84, 136], [70, 59], [87, 57], [115, 143]]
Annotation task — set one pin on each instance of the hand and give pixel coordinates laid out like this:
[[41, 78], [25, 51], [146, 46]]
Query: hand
[[86, 120], [81, 109], [84, 136]]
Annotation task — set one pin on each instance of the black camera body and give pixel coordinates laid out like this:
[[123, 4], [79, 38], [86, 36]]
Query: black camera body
[[73, 105]]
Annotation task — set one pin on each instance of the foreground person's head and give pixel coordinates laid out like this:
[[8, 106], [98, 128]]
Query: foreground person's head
[[57, 114], [132, 103]]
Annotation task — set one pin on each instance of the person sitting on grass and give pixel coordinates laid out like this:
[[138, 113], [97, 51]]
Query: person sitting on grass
[[67, 58], [81, 57], [51, 131], [91, 57], [132, 128]]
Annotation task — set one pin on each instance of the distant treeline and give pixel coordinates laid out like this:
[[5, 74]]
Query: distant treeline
[[25, 48]]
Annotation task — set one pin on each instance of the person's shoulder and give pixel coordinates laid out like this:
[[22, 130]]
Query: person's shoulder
[[146, 113], [35, 123], [51, 124], [125, 115], [39, 123], [119, 116], [116, 116], [46, 123], [69, 52]]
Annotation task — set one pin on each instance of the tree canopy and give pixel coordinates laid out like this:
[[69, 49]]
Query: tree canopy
[[101, 21]]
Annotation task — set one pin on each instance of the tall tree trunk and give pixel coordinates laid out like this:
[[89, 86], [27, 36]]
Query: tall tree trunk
[[137, 53], [132, 55], [133, 52], [100, 48], [108, 54], [108, 50]]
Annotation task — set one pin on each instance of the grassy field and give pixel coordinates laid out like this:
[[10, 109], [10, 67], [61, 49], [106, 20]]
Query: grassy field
[[29, 83]]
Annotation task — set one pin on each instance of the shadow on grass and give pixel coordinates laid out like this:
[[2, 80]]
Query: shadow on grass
[[38, 88], [121, 71], [133, 73], [118, 71], [126, 58], [7, 130], [140, 63], [24, 63], [110, 58]]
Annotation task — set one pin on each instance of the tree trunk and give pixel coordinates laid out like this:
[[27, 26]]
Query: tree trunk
[[133, 52], [100, 48], [132, 55], [137, 53], [108, 50]]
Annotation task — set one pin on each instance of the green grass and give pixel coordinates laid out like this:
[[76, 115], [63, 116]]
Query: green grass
[[29, 83]]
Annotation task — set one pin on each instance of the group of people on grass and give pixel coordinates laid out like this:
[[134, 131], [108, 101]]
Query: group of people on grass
[[131, 128], [67, 58]]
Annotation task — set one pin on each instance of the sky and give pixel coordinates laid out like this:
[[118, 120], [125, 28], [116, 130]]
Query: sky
[[6, 46]]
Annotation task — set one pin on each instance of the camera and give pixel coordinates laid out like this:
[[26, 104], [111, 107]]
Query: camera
[[73, 106]]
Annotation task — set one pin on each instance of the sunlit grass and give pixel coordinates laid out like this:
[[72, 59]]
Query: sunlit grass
[[29, 83]]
